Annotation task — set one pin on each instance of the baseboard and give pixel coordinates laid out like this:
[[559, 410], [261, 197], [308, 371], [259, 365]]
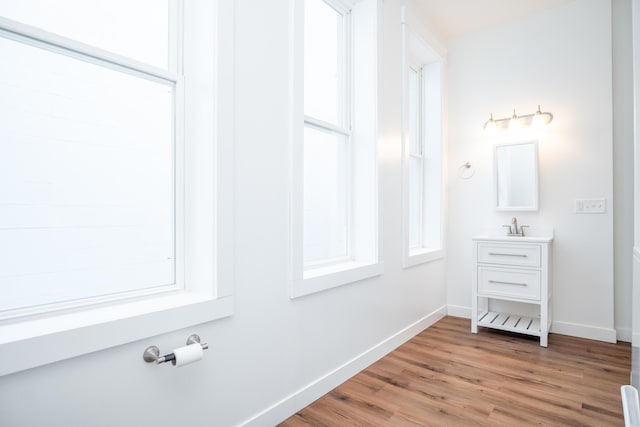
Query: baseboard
[[624, 334], [459, 311], [563, 328], [288, 406], [584, 331]]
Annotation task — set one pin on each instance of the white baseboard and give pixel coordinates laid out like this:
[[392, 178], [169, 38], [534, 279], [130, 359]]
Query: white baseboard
[[563, 328], [624, 334], [584, 331], [288, 406], [459, 311]]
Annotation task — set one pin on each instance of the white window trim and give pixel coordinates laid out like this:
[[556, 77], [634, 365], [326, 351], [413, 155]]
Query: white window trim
[[412, 256], [358, 267], [28, 342]]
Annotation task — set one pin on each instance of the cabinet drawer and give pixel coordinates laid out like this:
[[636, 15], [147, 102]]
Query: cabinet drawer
[[507, 283], [514, 254]]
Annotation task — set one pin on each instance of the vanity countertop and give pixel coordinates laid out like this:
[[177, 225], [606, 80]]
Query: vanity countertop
[[525, 239]]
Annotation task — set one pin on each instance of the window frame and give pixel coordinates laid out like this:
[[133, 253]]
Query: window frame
[[364, 236], [204, 194], [420, 55]]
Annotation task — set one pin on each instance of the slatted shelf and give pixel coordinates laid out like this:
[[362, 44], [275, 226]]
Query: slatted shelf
[[510, 322]]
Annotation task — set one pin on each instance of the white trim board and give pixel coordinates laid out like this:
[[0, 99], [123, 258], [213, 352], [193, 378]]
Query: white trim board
[[624, 334], [288, 406], [584, 331], [459, 311]]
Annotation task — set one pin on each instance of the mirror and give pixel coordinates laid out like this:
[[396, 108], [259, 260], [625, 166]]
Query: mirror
[[516, 176]]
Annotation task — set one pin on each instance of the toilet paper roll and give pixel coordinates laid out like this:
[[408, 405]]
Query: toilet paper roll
[[187, 354]]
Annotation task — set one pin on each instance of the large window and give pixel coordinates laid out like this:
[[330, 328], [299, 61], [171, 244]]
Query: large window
[[416, 157], [327, 134], [106, 169], [89, 201], [334, 179], [422, 148]]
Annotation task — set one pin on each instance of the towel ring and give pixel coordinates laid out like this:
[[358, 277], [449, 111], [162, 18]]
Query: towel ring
[[466, 171]]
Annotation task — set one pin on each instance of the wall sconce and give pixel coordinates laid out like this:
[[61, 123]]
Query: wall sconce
[[516, 122]]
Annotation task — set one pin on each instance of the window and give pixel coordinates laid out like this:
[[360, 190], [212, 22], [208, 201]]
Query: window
[[80, 220], [422, 159], [107, 167], [327, 134], [334, 168], [416, 158]]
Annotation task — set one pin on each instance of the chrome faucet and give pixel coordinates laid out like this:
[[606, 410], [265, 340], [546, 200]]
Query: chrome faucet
[[514, 230]]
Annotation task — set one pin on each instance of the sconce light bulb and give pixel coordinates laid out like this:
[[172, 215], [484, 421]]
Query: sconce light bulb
[[490, 126], [538, 121], [514, 123]]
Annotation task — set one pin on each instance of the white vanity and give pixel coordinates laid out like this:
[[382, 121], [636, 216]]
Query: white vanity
[[512, 268]]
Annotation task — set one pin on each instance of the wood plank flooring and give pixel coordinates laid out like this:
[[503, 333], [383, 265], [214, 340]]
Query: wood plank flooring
[[446, 376]]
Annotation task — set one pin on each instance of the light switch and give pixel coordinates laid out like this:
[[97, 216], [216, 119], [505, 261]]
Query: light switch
[[591, 206]]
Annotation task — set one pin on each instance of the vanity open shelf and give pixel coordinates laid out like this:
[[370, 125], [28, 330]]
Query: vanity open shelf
[[512, 269], [510, 322]]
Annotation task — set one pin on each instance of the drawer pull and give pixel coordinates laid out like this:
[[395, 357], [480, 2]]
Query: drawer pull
[[497, 254], [507, 283]]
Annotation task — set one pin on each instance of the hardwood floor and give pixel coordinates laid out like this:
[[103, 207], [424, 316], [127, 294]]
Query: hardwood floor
[[446, 376]]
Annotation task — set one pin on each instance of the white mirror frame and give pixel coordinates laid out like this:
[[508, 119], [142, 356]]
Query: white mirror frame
[[534, 206]]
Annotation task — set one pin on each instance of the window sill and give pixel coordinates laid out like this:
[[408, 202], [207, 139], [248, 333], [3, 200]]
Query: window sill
[[320, 279], [37, 342], [422, 256]]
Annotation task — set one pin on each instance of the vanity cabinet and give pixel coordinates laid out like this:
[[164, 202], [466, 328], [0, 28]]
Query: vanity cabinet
[[512, 269]]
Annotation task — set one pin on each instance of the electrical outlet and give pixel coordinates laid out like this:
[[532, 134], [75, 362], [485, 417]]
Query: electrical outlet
[[591, 206]]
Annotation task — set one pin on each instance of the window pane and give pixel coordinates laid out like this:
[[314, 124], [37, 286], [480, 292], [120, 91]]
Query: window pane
[[325, 195], [322, 62], [415, 202], [414, 112], [114, 25], [86, 179]]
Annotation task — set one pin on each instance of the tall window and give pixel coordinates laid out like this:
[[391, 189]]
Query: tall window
[[422, 161], [113, 166], [416, 158], [334, 179], [326, 134], [88, 153]]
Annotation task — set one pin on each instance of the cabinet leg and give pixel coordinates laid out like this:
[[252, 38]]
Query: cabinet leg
[[544, 340]]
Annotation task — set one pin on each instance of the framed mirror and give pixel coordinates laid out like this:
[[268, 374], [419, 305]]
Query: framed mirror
[[516, 176]]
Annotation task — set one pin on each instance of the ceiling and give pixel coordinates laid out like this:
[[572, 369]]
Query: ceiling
[[453, 18]]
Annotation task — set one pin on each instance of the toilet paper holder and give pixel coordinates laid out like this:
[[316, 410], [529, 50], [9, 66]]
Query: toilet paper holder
[[152, 353]]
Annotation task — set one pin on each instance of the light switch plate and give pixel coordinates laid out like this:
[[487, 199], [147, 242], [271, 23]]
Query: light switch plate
[[591, 206]]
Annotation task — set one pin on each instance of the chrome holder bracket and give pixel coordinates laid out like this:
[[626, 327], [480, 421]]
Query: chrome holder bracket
[[152, 353]]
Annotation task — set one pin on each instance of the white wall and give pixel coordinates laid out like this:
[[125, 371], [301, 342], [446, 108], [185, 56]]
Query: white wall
[[561, 59], [263, 357]]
